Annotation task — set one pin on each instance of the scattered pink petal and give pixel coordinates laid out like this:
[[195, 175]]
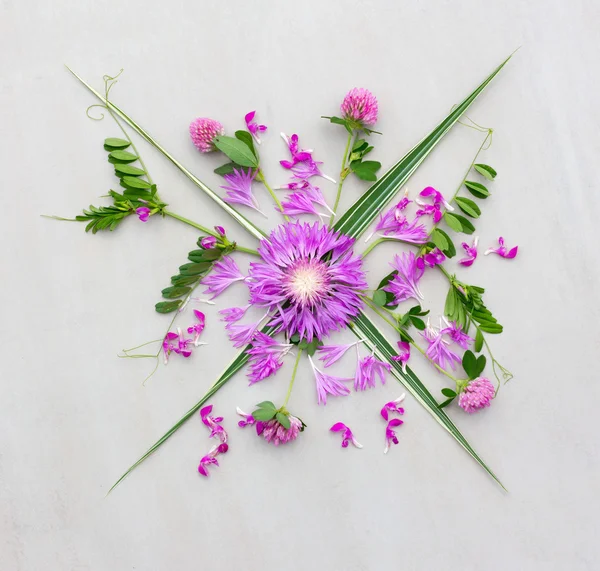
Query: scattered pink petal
[[502, 251], [347, 435]]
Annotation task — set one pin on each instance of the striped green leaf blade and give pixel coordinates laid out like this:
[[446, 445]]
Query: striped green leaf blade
[[364, 328], [239, 218], [364, 211]]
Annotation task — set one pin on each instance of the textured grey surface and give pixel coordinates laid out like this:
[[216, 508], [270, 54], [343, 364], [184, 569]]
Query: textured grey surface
[[73, 416]]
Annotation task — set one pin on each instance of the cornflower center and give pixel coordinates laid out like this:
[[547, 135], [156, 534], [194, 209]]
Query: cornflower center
[[306, 281]]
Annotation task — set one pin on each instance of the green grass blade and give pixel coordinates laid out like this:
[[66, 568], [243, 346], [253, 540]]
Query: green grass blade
[[242, 220], [364, 211], [364, 328]]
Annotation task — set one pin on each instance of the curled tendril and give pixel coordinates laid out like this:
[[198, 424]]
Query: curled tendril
[[87, 111]]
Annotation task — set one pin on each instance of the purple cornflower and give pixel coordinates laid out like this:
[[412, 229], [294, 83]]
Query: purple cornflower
[[433, 258], [197, 328], [367, 370], [390, 434], [330, 354], [309, 279], [360, 105], [392, 407], [253, 126], [203, 132], [471, 252], [328, 384], [225, 272], [404, 284], [214, 423], [274, 432], [455, 332], [208, 242], [432, 209], [302, 165], [266, 356], [239, 188], [234, 314], [143, 213], [438, 351], [347, 435], [247, 419], [403, 355], [502, 251], [476, 395]]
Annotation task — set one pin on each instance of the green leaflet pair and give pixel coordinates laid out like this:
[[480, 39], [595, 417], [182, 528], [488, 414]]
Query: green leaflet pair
[[353, 223]]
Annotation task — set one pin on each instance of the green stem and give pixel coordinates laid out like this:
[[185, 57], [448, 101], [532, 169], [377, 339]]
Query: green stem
[[190, 223], [373, 244], [287, 397], [342, 178], [247, 250], [261, 178]]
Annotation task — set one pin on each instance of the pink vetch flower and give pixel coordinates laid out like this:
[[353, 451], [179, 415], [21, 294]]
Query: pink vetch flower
[[275, 433], [367, 371], [234, 314], [403, 355], [266, 356], [390, 434], [211, 458], [247, 419], [220, 230], [360, 105], [455, 332], [330, 354], [143, 213], [302, 165], [197, 328], [309, 279], [253, 126], [432, 209], [328, 384], [433, 258], [502, 251], [392, 407], [239, 188], [214, 423], [471, 252], [438, 351], [476, 395], [168, 345], [208, 242], [203, 132], [225, 272], [404, 284], [347, 435]]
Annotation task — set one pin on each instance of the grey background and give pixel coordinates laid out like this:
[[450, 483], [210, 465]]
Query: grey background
[[73, 416]]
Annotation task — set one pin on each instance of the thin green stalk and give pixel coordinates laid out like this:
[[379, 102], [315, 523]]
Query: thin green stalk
[[373, 244], [342, 178], [261, 177], [190, 223], [246, 250], [289, 392]]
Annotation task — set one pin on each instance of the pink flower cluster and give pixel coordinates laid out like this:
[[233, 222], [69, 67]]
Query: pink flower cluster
[[360, 106], [203, 132], [216, 431], [476, 395], [180, 344], [272, 430]]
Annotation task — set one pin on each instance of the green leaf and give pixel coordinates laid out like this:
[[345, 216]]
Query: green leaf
[[453, 222], [477, 189], [370, 165], [283, 419], [448, 393], [236, 150], [450, 251], [439, 239], [451, 302], [481, 361], [123, 156], [478, 346], [264, 414], [137, 183], [247, 139], [418, 323], [363, 173], [227, 168], [469, 363], [175, 291], [194, 269], [380, 298], [467, 226], [113, 144], [363, 328], [207, 255], [468, 206], [167, 306], [125, 169], [492, 328], [359, 145], [184, 280], [486, 170], [266, 404]]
